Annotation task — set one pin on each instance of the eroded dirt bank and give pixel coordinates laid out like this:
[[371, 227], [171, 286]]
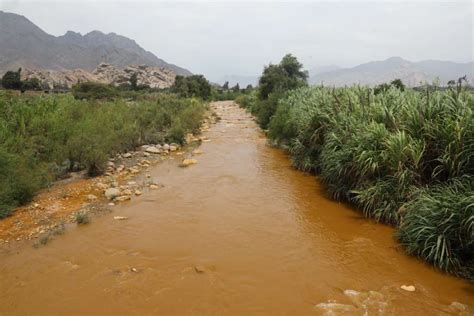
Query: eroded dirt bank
[[239, 233]]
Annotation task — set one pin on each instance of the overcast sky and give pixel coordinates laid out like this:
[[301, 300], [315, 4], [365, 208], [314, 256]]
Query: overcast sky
[[239, 37]]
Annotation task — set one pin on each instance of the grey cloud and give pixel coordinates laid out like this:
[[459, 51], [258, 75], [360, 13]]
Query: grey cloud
[[240, 37]]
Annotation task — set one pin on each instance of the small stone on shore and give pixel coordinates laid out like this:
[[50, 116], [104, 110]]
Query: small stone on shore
[[153, 150], [112, 193], [123, 198], [91, 197]]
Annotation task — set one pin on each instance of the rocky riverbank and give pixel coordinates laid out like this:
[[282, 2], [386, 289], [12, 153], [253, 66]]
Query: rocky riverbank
[[126, 178]]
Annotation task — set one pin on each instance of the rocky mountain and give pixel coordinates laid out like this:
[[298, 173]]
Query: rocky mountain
[[411, 73], [155, 77], [322, 69], [23, 44]]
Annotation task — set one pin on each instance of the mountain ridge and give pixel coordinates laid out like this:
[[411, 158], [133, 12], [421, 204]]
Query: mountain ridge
[[411, 73], [24, 44]]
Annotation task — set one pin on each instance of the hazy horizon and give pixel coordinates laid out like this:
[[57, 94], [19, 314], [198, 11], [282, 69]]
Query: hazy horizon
[[239, 38]]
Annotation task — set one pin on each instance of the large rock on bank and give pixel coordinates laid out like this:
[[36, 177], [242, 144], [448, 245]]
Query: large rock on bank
[[112, 193]]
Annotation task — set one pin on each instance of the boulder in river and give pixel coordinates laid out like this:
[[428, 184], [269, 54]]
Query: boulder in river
[[457, 307], [127, 155], [187, 162]]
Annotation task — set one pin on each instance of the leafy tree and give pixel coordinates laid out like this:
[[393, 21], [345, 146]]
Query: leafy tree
[[293, 68], [249, 88], [225, 86], [397, 83], [275, 81], [381, 88], [192, 86], [236, 88], [12, 80], [134, 81], [285, 76]]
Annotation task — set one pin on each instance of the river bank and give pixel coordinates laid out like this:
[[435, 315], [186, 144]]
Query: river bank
[[126, 178]]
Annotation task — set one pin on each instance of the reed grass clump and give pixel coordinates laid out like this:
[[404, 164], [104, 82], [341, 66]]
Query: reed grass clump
[[399, 156], [439, 225]]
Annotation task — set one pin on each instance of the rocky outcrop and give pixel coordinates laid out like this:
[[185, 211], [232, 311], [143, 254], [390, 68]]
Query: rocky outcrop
[[154, 77], [55, 79]]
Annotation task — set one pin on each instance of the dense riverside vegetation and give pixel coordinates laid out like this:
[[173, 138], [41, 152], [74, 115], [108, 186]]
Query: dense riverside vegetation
[[43, 137], [403, 157]]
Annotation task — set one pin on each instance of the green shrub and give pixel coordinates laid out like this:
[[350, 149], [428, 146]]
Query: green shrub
[[245, 100], [19, 180], [43, 137], [438, 224], [82, 218], [192, 86], [93, 90]]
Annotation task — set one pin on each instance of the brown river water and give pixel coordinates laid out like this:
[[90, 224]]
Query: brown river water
[[239, 233]]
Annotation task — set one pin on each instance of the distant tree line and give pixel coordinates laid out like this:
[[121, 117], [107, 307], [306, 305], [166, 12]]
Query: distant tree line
[[225, 88]]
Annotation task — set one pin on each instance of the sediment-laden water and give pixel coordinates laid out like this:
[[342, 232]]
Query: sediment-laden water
[[239, 233]]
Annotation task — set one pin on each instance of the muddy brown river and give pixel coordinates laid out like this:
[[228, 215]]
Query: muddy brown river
[[239, 233]]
